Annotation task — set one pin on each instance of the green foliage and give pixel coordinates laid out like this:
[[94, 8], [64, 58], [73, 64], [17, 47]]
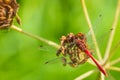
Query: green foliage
[[22, 58]]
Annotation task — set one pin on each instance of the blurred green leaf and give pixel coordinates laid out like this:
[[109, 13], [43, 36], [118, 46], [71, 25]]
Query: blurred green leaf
[[20, 56]]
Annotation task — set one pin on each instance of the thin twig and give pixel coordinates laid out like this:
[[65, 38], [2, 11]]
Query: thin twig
[[114, 68], [102, 76], [112, 51], [91, 30], [91, 62], [110, 64], [107, 53], [85, 75], [114, 62], [51, 43]]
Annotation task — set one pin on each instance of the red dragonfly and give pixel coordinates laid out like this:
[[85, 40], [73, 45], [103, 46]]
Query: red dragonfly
[[75, 47]]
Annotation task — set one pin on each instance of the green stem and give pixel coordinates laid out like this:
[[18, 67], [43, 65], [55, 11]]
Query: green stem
[[85, 75], [51, 43], [114, 62], [114, 68], [91, 30], [107, 53], [112, 51]]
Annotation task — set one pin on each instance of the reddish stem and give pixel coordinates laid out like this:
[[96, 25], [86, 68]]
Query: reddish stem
[[98, 65]]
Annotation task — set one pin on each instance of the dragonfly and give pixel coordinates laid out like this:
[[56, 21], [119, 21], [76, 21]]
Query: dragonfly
[[76, 48]]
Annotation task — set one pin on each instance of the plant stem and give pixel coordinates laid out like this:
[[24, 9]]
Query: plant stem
[[85, 75], [114, 68], [51, 43], [115, 61], [91, 62], [38, 38], [107, 53], [112, 51], [91, 30], [102, 77]]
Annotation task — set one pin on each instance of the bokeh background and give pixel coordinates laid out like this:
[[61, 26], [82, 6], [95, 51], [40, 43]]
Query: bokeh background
[[23, 58]]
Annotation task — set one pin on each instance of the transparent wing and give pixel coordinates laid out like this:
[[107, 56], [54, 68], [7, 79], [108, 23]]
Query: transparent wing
[[101, 33]]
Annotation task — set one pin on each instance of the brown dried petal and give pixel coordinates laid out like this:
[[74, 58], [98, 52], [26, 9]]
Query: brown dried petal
[[8, 10]]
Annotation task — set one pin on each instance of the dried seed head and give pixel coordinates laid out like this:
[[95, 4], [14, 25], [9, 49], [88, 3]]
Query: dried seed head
[[73, 46], [8, 10]]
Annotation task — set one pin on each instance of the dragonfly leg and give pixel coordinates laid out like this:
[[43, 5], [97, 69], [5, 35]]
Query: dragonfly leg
[[64, 61]]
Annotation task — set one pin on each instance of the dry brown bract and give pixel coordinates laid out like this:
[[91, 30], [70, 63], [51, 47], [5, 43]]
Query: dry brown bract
[[73, 46], [8, 10]]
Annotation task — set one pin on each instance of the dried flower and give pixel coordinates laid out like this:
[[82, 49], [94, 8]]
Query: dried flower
[[8, 10]]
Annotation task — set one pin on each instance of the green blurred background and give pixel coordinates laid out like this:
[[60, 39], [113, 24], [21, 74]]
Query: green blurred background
[[21, 58]]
